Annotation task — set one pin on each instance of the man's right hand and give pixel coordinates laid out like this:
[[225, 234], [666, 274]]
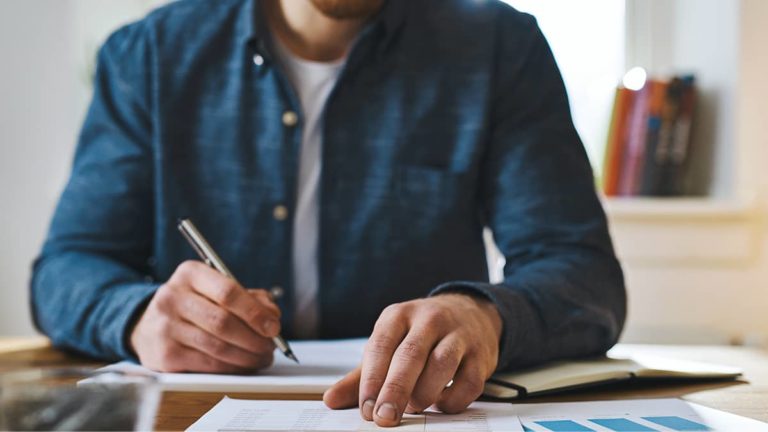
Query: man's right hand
[[203, 321]]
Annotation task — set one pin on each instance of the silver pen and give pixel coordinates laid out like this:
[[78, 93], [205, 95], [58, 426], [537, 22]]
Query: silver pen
[[210, 257]]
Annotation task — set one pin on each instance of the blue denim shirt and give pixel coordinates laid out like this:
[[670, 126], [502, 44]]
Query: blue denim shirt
[[449, 116]]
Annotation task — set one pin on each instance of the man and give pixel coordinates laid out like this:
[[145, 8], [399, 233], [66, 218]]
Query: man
[[346, 153]]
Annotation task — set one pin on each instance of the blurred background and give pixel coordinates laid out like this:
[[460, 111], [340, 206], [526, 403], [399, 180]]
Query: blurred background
[[696, 261]]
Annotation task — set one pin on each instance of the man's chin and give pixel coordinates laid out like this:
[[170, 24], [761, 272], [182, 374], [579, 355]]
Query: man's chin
[[348, 9]]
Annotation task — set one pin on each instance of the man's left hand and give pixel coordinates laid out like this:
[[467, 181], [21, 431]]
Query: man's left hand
[[416, 350]]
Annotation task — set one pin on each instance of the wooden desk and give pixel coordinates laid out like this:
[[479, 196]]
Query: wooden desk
[[748, 397]]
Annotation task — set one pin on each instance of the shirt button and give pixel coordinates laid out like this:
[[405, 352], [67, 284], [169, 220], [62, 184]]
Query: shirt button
[[258, 60], [277, 292], [280, 213], [290, 118]]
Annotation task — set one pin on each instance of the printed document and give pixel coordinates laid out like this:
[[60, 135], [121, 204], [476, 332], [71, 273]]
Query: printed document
[[231, 415], [668, 415]]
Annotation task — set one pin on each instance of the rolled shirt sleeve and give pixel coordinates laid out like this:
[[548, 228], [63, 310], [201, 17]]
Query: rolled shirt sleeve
[[92, 277], [563, 292]]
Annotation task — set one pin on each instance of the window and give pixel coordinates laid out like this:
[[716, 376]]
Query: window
[[588, 40]]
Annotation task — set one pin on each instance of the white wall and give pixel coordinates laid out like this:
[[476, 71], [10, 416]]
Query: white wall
[[38, 123], [46, 55]]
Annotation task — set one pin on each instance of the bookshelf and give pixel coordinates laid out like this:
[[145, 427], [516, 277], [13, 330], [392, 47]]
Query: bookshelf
[[681, 209], [673, 37], [728, 137]]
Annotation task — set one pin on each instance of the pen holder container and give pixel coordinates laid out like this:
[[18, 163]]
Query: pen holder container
[[77, 399]]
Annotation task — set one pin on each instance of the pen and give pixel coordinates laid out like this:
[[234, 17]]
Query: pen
[[210, 257]]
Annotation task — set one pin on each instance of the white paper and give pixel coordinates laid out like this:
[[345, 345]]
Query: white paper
[[231, 415], [609, 416], [322, 364], [649, 414]]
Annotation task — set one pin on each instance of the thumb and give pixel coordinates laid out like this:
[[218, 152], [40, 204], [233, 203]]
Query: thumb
[[344, 394]]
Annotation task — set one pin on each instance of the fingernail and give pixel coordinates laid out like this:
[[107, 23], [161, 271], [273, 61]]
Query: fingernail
[[368, 409], [387, 412], [270, 327]]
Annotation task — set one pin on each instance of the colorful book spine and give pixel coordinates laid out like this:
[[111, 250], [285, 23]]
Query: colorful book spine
[[649, 172], [662, 182], [682, 137], [614, 154], [635, 142], [649, 139]]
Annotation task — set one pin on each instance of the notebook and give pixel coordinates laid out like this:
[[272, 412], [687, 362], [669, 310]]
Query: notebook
[[567, 375], [322, 364]]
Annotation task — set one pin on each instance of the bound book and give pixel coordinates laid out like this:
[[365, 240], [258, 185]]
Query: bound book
[[567, 375]]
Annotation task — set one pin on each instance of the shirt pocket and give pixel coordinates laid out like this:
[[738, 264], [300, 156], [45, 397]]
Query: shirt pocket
[[425, 202]]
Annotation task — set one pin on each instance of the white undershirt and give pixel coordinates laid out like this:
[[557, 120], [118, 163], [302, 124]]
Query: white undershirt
[[313, 82]]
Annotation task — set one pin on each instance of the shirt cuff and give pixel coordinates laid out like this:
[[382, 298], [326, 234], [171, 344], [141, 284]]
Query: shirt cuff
[[131, 301], [517, 316]]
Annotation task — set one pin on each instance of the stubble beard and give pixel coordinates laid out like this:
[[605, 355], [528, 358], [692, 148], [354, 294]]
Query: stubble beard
[[348, 9]]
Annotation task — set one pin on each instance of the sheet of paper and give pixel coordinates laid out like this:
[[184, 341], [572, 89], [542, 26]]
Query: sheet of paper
[[322, 364], [723, 421], [231, 415], [630, 415]]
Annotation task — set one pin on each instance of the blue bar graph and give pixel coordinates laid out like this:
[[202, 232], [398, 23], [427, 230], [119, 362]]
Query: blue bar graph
[[564, 426], [677, 423], [621, 425]]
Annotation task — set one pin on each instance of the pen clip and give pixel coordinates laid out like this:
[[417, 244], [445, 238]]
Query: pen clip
[[200, 252], [201, 246]]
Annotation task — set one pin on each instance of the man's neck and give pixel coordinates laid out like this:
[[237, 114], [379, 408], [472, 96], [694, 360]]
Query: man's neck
[[308, 33]]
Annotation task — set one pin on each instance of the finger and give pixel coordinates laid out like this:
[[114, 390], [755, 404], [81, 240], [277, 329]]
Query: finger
[[181, 358], [467, 386], [222, 324], [441, 367], [265, 298], [227, 293], [343, 394], [389, 331], [404, 370], [195, 338]]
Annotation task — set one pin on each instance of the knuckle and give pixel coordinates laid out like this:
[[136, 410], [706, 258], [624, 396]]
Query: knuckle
[[256, 315], [164, 297], [392, 311], [260, 293], [227, 293], [186, 268], [410, 350], [474, 383], [163, 325], [435, 317], [218, 321], [371, 382], [380, 344], [396, 387], [447, 357], [215, 346]]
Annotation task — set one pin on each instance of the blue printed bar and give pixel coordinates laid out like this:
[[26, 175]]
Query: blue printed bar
[[677, 423], [621, 425], [564, 426]]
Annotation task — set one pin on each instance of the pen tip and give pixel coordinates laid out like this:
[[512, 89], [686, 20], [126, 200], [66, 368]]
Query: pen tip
[[291, 356]]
